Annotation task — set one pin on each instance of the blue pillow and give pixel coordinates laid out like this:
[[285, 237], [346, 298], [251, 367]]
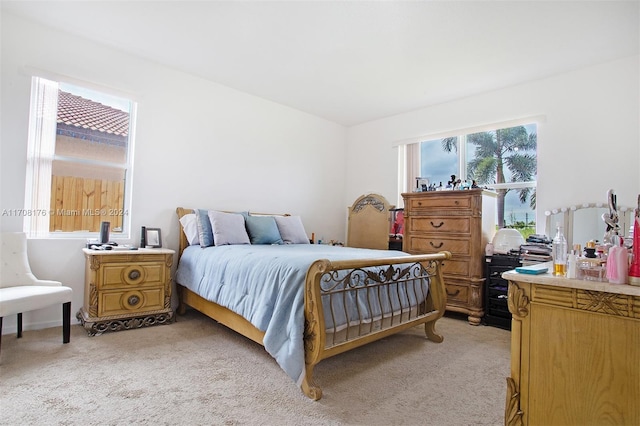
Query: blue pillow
[[205, 232], [262, 229]]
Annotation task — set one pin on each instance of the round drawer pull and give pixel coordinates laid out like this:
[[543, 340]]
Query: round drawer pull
[[133, 274], [131, 300], [455, 293], [436, 226], [436, 246]]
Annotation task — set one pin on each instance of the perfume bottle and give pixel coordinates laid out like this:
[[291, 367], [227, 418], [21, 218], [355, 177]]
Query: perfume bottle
[[559, 251], [572, 262]]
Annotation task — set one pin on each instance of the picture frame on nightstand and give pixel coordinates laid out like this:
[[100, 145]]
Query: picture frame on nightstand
[[153, 237]]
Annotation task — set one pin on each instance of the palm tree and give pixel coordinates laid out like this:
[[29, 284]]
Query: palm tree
[[513, 148]]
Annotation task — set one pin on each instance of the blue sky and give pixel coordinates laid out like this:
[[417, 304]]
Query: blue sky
[[103, 98]]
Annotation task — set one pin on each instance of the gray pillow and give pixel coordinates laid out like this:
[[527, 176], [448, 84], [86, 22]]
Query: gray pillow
[[228, 228], [292, 230]]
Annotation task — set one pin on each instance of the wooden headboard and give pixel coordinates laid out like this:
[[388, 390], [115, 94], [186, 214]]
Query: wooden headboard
[[368, 225], [181, 211]]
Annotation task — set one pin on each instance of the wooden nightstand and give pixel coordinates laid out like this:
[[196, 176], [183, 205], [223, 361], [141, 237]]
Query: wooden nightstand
[[126, 289]]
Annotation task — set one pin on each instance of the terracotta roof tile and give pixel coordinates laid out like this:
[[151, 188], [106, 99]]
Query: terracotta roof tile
[[80, 112]]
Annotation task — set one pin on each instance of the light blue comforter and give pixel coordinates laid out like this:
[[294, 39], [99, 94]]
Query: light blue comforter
[[265, 285]]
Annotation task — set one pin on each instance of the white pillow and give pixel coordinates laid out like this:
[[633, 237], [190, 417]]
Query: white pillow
[[292, 230], [228, 228], [190, 228]]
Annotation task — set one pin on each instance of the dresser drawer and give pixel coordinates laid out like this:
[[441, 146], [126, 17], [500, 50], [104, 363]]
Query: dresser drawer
[[434, 244], [445, 202], [456, 267], [122, 275], [439, 224], [130, 301], [457, 292]]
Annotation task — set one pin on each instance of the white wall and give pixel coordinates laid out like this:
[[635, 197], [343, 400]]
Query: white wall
[[589, 143], [198, 144]]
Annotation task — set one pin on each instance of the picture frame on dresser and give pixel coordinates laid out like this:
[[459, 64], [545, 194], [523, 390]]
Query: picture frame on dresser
[[153, 237]]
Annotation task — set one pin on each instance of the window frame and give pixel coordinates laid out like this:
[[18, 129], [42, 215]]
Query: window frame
[[38, 209], [408, 163]]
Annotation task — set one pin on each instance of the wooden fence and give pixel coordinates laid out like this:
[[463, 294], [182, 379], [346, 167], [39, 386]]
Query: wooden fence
[[80, 204]]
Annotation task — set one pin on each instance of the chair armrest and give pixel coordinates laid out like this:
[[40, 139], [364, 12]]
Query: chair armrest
[[48, 283]]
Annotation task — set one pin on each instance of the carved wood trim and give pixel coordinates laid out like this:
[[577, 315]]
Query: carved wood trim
[[518, 301], [621, 305], [512, 412], [93, 300], [94, 263], [369, 200], [95, 328], [609, 303], [167, 293]]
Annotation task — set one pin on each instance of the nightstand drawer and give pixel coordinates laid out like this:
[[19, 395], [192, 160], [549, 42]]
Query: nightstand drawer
[[130, 301], [440, 224], [121, 275], [429, 244]]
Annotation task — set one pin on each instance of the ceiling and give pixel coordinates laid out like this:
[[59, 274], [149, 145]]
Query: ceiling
[[355, 61]]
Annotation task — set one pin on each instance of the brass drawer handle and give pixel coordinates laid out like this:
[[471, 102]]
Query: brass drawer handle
[[455, 293], [133, 300], [436, 226], [134, 274], [436, 246]]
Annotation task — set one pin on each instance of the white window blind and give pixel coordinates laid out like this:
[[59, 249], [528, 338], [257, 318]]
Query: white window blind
[[40, 153]]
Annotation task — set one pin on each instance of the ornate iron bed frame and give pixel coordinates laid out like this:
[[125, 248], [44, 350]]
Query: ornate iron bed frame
[[397, 283]]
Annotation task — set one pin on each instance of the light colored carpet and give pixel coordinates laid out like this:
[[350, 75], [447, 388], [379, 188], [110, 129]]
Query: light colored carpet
[[197, 372]]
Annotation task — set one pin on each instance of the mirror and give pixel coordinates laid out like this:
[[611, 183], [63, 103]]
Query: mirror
[[587, 224], [557, 217], [583, 223]]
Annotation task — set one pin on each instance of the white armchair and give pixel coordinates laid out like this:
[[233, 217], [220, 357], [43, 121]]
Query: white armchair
[[21, 291]]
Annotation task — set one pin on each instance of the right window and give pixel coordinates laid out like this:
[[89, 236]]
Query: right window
[[504, 160]]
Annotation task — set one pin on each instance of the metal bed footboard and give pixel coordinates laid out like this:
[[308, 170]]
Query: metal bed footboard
[[351, 303]]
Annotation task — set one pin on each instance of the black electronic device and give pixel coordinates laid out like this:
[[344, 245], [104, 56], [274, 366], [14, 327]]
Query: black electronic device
[[104, 232], [97, 246], [102, 243]]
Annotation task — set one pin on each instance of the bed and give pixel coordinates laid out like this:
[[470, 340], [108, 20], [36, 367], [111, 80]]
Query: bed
[[306, 302]]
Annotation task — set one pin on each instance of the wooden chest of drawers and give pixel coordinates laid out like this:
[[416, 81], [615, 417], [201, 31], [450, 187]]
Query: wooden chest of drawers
[[126, 289], [462, 222]]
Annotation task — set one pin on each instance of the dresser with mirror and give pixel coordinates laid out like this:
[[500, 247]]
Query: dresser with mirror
[[582, 223]]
